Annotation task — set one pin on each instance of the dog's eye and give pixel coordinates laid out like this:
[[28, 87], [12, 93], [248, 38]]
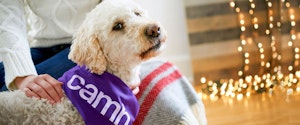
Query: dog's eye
[[118, 26], [137, 13]]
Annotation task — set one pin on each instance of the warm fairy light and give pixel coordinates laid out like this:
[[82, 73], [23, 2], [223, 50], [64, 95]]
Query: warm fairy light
[[271, 25], [251, 12], [271, 18], [271, 75], [293, 23], [259, 45], [242, 22], [240, 49], [274, 55], [247, 61], [240, 73], [262, 56], [298, 74], [203, 80], [252, 5], [293, 37], [237, 10], [261, 50], [262, 63], [269, 4], [267, 31], [290, 68], [243, 28], [287, 4], [290, 43], [255, 20], [247, 55], [243, 42], [292, 17], [273, 48], [268, 65], [296, 50], [232, 4], [278, 24], [296, 56], [255, 26], [279, 57], [239, 96]]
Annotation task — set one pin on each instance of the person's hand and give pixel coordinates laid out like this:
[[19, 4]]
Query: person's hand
[[40, 86], [135, 90]]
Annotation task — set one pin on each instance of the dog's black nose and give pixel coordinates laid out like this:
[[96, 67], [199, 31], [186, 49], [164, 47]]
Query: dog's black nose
[[153, 30]]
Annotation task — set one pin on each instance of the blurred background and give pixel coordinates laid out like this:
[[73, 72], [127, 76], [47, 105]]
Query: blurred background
[[242, 56]]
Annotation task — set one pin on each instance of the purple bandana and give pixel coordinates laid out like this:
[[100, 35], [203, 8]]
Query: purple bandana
[[100, 99]]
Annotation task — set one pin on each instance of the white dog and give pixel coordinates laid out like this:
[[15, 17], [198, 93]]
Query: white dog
[[116, 37]]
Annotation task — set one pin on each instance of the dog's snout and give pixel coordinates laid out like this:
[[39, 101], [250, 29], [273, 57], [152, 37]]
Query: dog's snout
[[153, 30]]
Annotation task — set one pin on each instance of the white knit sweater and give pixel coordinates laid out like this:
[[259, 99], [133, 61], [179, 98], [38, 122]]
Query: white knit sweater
[[50, 22]]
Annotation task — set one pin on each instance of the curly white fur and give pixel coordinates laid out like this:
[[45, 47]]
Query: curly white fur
[[116, 37], [16, 109]]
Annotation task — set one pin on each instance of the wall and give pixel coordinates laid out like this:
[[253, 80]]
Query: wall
[[214, 36]]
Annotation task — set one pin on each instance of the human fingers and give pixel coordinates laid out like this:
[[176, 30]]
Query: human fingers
[[135, 90], [56, 90], [36, 87], [29, 93], [51, 86]]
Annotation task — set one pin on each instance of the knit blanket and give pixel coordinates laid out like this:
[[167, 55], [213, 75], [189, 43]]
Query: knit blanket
[[166, 97], [100, 99]]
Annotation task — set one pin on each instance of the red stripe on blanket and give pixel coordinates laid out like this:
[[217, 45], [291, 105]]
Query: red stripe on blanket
[[146, 81], [152, 95]]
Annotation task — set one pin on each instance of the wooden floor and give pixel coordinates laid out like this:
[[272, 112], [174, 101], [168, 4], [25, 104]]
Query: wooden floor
[[260, 109]]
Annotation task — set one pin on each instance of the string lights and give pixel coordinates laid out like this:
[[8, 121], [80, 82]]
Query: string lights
[[291, 43], [270, 76]]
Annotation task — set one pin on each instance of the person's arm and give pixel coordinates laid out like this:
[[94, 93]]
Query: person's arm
[[40, 86], [14, 47], [20, 72]]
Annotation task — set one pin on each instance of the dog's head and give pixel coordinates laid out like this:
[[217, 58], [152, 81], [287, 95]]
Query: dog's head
[[116, 33]]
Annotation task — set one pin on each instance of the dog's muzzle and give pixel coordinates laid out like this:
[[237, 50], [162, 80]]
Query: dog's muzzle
[[155, 37], [153, 31]]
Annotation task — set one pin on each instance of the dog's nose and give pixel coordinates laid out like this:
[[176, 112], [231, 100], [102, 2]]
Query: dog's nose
[[153, 30]]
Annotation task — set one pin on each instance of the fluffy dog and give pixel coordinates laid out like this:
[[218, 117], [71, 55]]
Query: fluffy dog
[[116, 36]]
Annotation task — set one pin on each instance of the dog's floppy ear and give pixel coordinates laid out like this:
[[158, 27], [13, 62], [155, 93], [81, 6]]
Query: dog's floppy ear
[[86, 50]]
